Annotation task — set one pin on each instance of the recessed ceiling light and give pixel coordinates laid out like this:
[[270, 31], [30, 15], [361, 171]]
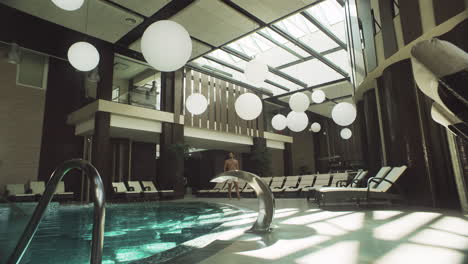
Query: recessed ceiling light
[[130, 21]]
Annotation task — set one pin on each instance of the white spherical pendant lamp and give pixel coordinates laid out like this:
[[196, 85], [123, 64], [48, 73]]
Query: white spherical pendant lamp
[[248, 106], [318, 96], [279, 122], [68, 5], [297, 121], [83, 56], [315, 127], [256, 72], [346, 133], [299, 102], [344, 114], [166, 45], [196, 103]]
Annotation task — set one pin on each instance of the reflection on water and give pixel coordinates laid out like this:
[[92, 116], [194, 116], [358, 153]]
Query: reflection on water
[[133, 231]]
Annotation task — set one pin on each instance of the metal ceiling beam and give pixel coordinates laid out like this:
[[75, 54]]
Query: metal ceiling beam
[[169, 10], [324, 29], [323, 53], [277, 43], [311, 88], [308, 49], [271, 69], [225, 78], [234, 67]]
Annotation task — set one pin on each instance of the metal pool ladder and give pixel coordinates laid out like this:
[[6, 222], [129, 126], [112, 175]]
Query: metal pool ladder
[[99, 210]]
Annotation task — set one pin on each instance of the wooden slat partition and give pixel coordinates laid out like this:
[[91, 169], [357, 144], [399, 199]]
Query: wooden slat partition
[[204, 89], [260, 124], [188, 91], [196, 89], [231, 110], [223, 107], [220, 114], [211, 105]]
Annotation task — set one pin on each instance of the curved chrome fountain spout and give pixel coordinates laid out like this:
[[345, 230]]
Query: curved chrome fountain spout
[[266, 200], [99, 210]]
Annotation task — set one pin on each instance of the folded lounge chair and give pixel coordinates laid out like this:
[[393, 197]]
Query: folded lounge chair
[[36, 187], [248, 189], [321, 180], [218, 187], [377, 189], [277, 183], [339, 179], [17, 193]]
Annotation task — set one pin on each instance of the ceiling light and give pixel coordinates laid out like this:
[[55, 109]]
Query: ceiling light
[[346, 133], [318, 96], [196, 103], [14, 55], [166, 45], [297, 122], [279, 122], [248, 106], [68, 5], [315, 127], [344, 114], [83, 56], [299, 102]]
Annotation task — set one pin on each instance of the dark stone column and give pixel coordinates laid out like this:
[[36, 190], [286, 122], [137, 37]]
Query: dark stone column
[[171, 169], [410, 15], [288, 163], [372, 131], [167, 91], [101, 156]]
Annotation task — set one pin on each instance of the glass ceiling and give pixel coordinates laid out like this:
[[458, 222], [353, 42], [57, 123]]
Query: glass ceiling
[[299, 69]]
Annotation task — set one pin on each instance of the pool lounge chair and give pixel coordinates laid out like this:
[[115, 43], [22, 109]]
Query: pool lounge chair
[[37, 188], [121, 191], [218, 187], [61, 194], [306, 181], [149, 185], [17, 193], [277, 183], [376, 190], [291, 182]]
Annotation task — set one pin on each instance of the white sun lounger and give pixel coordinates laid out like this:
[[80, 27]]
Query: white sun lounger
[[17, 193]]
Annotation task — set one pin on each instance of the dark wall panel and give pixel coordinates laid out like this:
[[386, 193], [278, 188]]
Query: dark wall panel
[[101, 156], [367, 25], [444, 10], [410, 16], [59, 142], [388, 28], [171, 169], [144, 163]]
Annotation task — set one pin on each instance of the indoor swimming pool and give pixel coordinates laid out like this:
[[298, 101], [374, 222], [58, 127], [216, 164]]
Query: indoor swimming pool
[[133, 231]]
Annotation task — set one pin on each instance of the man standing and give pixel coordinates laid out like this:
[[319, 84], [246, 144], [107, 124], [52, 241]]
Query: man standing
[[229, 165]]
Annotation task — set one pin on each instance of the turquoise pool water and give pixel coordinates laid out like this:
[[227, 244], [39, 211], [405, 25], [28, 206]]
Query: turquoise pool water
[[133, 231]]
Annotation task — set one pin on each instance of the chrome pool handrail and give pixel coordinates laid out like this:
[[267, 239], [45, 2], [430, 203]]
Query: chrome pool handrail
[[99, 210], [266, 200]]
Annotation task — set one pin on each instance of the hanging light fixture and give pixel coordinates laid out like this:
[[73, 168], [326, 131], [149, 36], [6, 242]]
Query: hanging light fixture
[[248, 106], [166, 45], [318, 96], [14, 55], [279, 122], [256, 71], [346, 133], [196, 103], [299, 102], [82, 55], [315, 127], [297, 121], [344, 114], [68, 5]]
